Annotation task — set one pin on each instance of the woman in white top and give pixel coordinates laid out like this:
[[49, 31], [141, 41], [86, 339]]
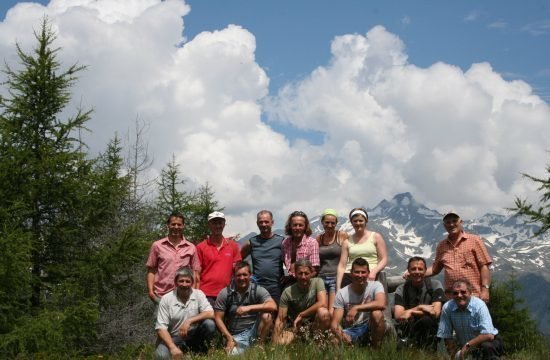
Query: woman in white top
[[363, 243]]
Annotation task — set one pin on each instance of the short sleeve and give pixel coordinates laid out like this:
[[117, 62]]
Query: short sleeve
[[378, 288], [199, 256], [445, 329], [285, 298], [152, 258], [398, 295], [221, 301], [262, 295], [195, 262], [236, 252], [319, 285], [481, 254], [485, 321], [163, 314], [339, 300], [204, 305], [438, 257]]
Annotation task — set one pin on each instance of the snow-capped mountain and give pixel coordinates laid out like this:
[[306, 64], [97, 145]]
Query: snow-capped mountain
[[410, 228]]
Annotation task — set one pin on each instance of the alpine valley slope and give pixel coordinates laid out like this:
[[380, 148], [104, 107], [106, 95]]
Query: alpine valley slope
[[410, 228]]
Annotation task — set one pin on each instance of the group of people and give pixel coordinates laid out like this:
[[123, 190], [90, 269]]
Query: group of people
[[298, 284]]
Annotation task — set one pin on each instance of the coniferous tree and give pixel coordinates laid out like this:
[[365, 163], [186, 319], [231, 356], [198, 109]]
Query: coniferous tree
[[171, 196], [73, 240], [46, 166], [204, 202], [512, 319], [195, 206], [67, 251], [15, 278], [536, 213]]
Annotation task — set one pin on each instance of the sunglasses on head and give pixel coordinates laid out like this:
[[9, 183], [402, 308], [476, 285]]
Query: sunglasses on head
[[298, 213]]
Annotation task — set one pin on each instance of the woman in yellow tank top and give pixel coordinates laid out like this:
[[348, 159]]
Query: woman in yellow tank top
[[363, 243]]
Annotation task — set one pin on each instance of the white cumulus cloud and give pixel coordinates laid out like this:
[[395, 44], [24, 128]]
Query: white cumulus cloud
[[453, 138]]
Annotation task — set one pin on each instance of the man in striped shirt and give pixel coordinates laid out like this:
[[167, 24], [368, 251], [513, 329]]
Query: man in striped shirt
[[463, 256]]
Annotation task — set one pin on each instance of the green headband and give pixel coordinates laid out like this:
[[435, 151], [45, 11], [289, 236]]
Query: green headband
[[329, 212]]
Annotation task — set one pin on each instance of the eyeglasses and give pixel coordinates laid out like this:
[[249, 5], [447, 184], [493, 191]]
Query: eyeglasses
[[461, 292], [451, 221], [298, 213]]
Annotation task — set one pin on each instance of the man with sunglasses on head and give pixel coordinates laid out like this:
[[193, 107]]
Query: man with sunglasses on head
[[463, 256], [468, 317]]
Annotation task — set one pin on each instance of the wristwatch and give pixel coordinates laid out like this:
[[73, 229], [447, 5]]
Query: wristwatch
[[486, 286]]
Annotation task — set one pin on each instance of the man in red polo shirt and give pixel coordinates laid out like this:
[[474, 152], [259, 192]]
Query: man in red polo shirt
[[166, 256], [217, 255]]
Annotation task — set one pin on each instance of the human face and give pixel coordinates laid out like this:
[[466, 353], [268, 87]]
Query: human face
[[417, 269], [298, 226], [175, 226], [184, 284], [359, 274], [453, 225], [329, 223], [461, 295], [216, 226], [242, 278], [359, 223], [303, 276], [265, 223]]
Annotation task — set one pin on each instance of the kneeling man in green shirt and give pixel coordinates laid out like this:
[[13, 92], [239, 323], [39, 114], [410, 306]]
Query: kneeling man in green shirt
[[302, 303]]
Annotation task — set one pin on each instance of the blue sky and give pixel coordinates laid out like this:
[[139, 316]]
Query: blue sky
[[293, 36], [311, 104]]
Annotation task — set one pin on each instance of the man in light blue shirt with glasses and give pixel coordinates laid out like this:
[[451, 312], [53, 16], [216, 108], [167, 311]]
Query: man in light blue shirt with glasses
[[469, 317]]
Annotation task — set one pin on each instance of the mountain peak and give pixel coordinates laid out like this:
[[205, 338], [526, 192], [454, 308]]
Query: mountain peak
[[403, 199]]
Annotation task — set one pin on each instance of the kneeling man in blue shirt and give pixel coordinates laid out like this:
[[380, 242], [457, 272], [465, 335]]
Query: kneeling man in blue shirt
[[469, 317]]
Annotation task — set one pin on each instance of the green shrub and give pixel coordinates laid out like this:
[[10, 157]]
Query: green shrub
[[60, 333], [516, 327], [42, 333]]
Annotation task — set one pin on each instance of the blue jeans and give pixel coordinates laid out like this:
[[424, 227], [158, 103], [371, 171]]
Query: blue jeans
[[330, 283], [245, 338], [358, 333], [197, 340]]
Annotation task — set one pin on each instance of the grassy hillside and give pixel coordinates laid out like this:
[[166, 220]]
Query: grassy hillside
[[311, 350]]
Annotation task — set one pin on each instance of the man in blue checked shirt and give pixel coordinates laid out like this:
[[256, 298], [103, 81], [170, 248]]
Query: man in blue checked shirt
[[469, 317]]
